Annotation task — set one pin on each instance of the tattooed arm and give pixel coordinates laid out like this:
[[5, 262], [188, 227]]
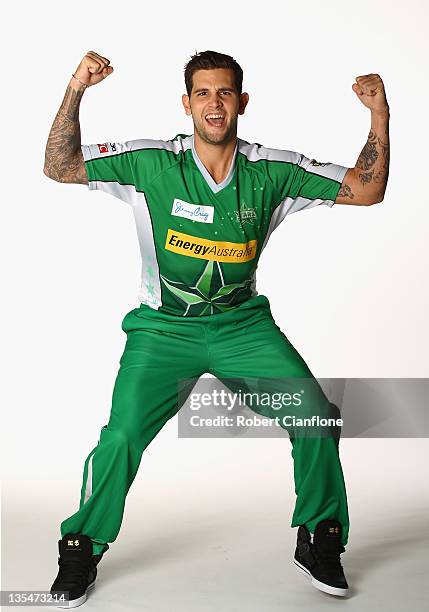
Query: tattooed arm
[[63, 156], [365, 184]]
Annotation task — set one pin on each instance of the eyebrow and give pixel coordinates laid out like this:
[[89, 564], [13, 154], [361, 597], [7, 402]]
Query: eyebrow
[[219, 88]]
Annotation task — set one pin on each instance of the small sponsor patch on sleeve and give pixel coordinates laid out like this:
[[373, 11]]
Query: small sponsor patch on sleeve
[[316, 163]]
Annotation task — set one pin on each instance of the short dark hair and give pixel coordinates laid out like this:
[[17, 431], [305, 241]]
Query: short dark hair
[[208, 60]]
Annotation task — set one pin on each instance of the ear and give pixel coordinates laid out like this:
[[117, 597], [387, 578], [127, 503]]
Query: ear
[[186, 105], [244, 99]]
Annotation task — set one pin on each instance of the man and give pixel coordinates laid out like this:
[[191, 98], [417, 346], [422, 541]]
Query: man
[[205, 206]]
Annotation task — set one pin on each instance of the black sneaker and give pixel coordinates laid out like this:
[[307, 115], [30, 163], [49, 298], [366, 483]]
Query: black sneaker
[[320, 559], [78, 569]]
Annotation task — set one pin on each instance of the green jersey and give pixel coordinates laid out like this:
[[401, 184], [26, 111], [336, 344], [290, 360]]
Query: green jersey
[[200, 241]]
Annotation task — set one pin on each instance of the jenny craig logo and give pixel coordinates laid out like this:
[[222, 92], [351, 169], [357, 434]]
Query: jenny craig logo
[[203, 214]]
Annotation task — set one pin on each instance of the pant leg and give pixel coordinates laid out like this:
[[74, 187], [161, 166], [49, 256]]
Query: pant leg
[[252, 347], [145, 396]]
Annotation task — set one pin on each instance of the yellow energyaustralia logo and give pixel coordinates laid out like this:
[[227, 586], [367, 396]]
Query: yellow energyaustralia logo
[[192, 246]]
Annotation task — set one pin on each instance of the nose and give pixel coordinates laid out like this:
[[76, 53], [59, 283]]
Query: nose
[[215, 100]]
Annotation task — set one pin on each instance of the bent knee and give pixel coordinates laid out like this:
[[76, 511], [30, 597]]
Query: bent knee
[[117, 436]]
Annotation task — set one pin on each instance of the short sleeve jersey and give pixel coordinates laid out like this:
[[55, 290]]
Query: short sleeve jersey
[[200, 241]]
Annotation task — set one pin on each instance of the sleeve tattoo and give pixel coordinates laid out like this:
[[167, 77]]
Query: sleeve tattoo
[[63, 156], [372, 166]]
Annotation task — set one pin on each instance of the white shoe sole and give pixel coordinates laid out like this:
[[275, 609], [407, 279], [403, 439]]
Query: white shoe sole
[[74, 603], [326, 588]]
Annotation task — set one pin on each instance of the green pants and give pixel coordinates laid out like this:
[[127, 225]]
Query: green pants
[[242, 343]]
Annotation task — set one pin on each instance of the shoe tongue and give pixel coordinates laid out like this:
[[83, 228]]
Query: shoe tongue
[[76, 544], [327, 534]]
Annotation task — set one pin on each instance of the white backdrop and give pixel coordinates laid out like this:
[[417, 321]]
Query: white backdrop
[[350, 292]]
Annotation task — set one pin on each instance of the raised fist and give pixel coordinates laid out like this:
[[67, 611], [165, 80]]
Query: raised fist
[[93, 69]]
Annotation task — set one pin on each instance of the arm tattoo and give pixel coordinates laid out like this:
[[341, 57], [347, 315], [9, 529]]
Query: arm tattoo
[[346, 191], [63, 155], [373, 162], [369, 153], [384, 171], [366, 177]]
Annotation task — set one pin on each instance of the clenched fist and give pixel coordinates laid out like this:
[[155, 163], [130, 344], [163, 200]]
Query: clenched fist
[[93, 69], [369, 88]]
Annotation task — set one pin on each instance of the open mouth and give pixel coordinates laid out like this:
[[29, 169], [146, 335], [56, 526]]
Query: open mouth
[[215, 119]]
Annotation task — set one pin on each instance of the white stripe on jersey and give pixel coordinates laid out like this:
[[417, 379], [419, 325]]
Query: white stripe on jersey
[[116, 148], [126, 193], [255, 152], [150, 290]]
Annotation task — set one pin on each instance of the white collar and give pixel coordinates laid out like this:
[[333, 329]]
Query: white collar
[[215, 187]]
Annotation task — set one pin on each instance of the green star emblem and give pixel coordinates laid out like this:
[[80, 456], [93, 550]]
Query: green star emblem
[[245, 214], [199, 296]]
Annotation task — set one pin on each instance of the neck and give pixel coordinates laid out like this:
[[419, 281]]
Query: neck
[[216, 158]]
